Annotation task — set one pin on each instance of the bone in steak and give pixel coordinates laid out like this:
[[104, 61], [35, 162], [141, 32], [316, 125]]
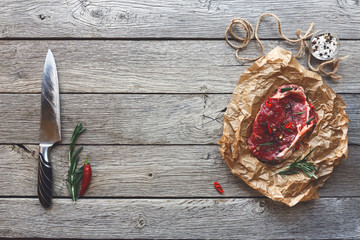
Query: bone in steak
[[281, 123]]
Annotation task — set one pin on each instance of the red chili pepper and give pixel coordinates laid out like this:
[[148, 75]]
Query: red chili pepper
[[218, 187], [86, 177], [269, 128], [268, 103], [289, 125]]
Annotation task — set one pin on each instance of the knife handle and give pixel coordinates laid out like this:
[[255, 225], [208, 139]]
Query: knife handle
[[44, 178]]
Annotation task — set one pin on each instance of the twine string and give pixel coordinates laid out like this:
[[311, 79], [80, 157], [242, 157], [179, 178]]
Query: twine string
[[250, 33], [334, 63]]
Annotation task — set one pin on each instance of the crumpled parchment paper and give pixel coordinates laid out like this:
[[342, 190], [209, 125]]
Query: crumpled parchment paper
[[329, 137]]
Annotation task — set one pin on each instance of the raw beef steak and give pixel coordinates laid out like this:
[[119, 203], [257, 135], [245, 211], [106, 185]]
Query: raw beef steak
[[281, 123]]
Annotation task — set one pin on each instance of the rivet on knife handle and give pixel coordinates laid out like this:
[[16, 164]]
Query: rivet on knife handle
[[44, 178]]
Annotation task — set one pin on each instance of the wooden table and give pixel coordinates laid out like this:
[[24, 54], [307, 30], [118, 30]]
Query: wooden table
[[150, 80]]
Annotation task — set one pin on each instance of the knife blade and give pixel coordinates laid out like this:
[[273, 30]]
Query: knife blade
[[50, 127]]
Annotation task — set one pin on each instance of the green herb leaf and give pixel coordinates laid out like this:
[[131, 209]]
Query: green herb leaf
[[80, 170], [286, 129], [74, 174], [75, 163], [308, 168], [288, 172], [310, 120], [77, 179], [304, 159], [266, 144], [286, 89], [77, 152], [299, 113], [68, 187]]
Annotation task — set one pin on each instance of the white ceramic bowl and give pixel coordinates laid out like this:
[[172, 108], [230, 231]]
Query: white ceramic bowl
[[322, 46]]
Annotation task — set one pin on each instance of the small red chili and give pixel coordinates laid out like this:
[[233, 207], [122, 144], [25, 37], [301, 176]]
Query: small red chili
[[268, 103], [269, 128], [86, 177], [218, 187], [289, 125]]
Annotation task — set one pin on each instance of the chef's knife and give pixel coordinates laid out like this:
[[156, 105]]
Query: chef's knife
[[50, 129]]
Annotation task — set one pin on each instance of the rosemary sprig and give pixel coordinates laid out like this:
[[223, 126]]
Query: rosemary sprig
[[286, 89], [307, 167], [74, 175], [266, 144]]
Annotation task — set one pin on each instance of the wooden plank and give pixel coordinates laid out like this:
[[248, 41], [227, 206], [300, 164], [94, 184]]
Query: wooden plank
[[118, 119], [169, 19], [180, 218], [132, 118], [144, 66], [151, 171], [127, 171]]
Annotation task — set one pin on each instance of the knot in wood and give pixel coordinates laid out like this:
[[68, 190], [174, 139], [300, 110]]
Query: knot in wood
[[140, 222], [151, 175], [259, 206]]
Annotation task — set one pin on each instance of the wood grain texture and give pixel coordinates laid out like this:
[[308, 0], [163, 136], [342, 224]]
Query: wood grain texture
[[169, 19], [151, 171], [144, 66], [325, 218], [133, 118], [151, 80]]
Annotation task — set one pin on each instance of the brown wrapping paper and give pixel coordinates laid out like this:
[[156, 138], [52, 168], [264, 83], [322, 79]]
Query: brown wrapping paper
[[329, 137]]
